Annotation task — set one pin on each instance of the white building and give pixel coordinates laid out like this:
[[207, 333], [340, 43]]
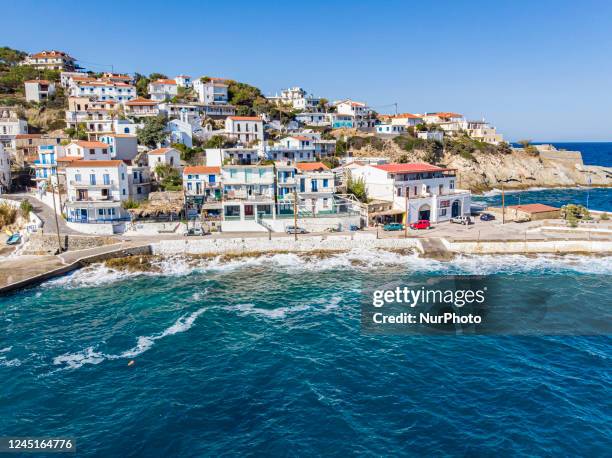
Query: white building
[[245, 129], [212, 92], [248, 192], [102, 89], [10, 126], [95, 190], [164, 156], [87, 150], [361, 113], [203, 181], [5, 170], [125, 126], [45, 167], [390, 129], [50, 60], [39, 90], [406, 120], [315, 182], [483, 131], [66, 78], [313, 119], [435, 135], [297, 148], [163, 89], [183, 81], [139, 182], [141, 107], [180, 131], [441, 117], [298, 98], [427, 191], [216, 157], [121, 146]]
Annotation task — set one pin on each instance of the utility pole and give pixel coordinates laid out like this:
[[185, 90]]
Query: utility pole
[[59, 240], [503, 205], [407, 221], [295, 212], [395, 108]]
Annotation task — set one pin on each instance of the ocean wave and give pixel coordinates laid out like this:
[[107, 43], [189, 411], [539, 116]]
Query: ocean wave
[[497, 191], [143, 343], [357, 259]]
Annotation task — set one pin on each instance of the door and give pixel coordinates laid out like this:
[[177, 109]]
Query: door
[[83, 215], [424, 212], [455, 210]]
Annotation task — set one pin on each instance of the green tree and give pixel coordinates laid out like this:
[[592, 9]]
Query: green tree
[[357, 188], [142, 85], [10, 57], [168, 177], [157, 76], [153, 132]]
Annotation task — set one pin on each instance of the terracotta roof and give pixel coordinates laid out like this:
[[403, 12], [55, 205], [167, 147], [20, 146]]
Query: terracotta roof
[[90, 144], [50, 54], [38, 81], [28, 136], [534, 208], [141, 101], [122, 135], [201, 169], [407, 115], [410, 168], [311, 166], [160, 151], [67, 159], [445, 114], [164, 82], [301, 138], [111, 163], [245, 118]]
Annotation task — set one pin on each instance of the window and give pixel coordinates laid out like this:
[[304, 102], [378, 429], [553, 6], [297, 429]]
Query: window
[[122, 176], [92, 151], [442, 212], [452, 184], [100, 212], [189, 186], [325, 182], [92, 179], [106, 178], [138, 190], [123, 191], [211, 178]]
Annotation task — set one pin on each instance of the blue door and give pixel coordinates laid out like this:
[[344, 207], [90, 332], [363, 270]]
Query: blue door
[[83, 215]]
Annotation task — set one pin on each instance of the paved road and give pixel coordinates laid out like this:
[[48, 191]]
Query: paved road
[[45, 213]]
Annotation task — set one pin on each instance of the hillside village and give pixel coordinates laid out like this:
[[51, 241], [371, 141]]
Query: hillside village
[[109, 149]]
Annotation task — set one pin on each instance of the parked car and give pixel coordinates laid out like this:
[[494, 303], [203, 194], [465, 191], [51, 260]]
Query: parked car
[[393, 227], [14, 239], [486, 217], [194, 231], [421, 224], [295, 230], [461, 220]]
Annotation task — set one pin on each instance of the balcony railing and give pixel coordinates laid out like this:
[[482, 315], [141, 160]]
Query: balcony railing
[[88, 184]]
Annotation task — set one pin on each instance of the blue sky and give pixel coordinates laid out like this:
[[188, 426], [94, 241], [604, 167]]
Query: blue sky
[[540, 70]]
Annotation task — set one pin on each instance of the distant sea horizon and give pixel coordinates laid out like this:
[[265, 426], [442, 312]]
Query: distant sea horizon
[[593, 153]]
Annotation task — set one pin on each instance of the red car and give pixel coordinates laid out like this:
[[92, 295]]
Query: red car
[[421, 224]]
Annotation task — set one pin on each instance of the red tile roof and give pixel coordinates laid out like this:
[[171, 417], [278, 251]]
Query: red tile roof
[[140, 101], [194, 169], [160, 151], [38, 81], [311, 166], [28, 136], [90, 144], [407, 115], [445, 114], [534, 208], [50, 54], [164, 82], [410, 168], [301, 138], [111, 163]]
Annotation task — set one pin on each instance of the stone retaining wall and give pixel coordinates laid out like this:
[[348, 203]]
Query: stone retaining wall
[[47, 243]]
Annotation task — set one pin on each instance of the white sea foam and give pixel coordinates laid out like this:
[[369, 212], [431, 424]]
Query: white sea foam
[[363, 259], [6, 349], [143, 343], [280, 312]]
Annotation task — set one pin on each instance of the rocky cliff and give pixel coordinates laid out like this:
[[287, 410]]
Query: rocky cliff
[[483, 171]]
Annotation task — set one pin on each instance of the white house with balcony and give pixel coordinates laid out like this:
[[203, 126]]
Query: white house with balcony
[[248, 196], [216, 157], [162, 89], [183, 81], [50, 60], [139, 182], [484, 132], [406, 120], [435, 135], [87, 150], [295, 148], [360, 112], [203, 189], [11, 126], [45, 167], [298, 98], [103, 90], [313, 118], [245, 129], [211, 92], [141, 108], [95, 190], [390, 129], [315, 188], [426, 191], [39, 90]]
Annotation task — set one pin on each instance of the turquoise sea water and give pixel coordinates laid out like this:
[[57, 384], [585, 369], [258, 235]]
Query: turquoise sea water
[[266, 356]]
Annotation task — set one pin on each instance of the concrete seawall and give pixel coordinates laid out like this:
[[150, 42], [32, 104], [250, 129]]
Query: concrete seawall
[[77, 264], [261, 245], [529, 246]]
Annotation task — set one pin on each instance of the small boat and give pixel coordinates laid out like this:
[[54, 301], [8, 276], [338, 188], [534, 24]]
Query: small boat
[[14, 239]]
